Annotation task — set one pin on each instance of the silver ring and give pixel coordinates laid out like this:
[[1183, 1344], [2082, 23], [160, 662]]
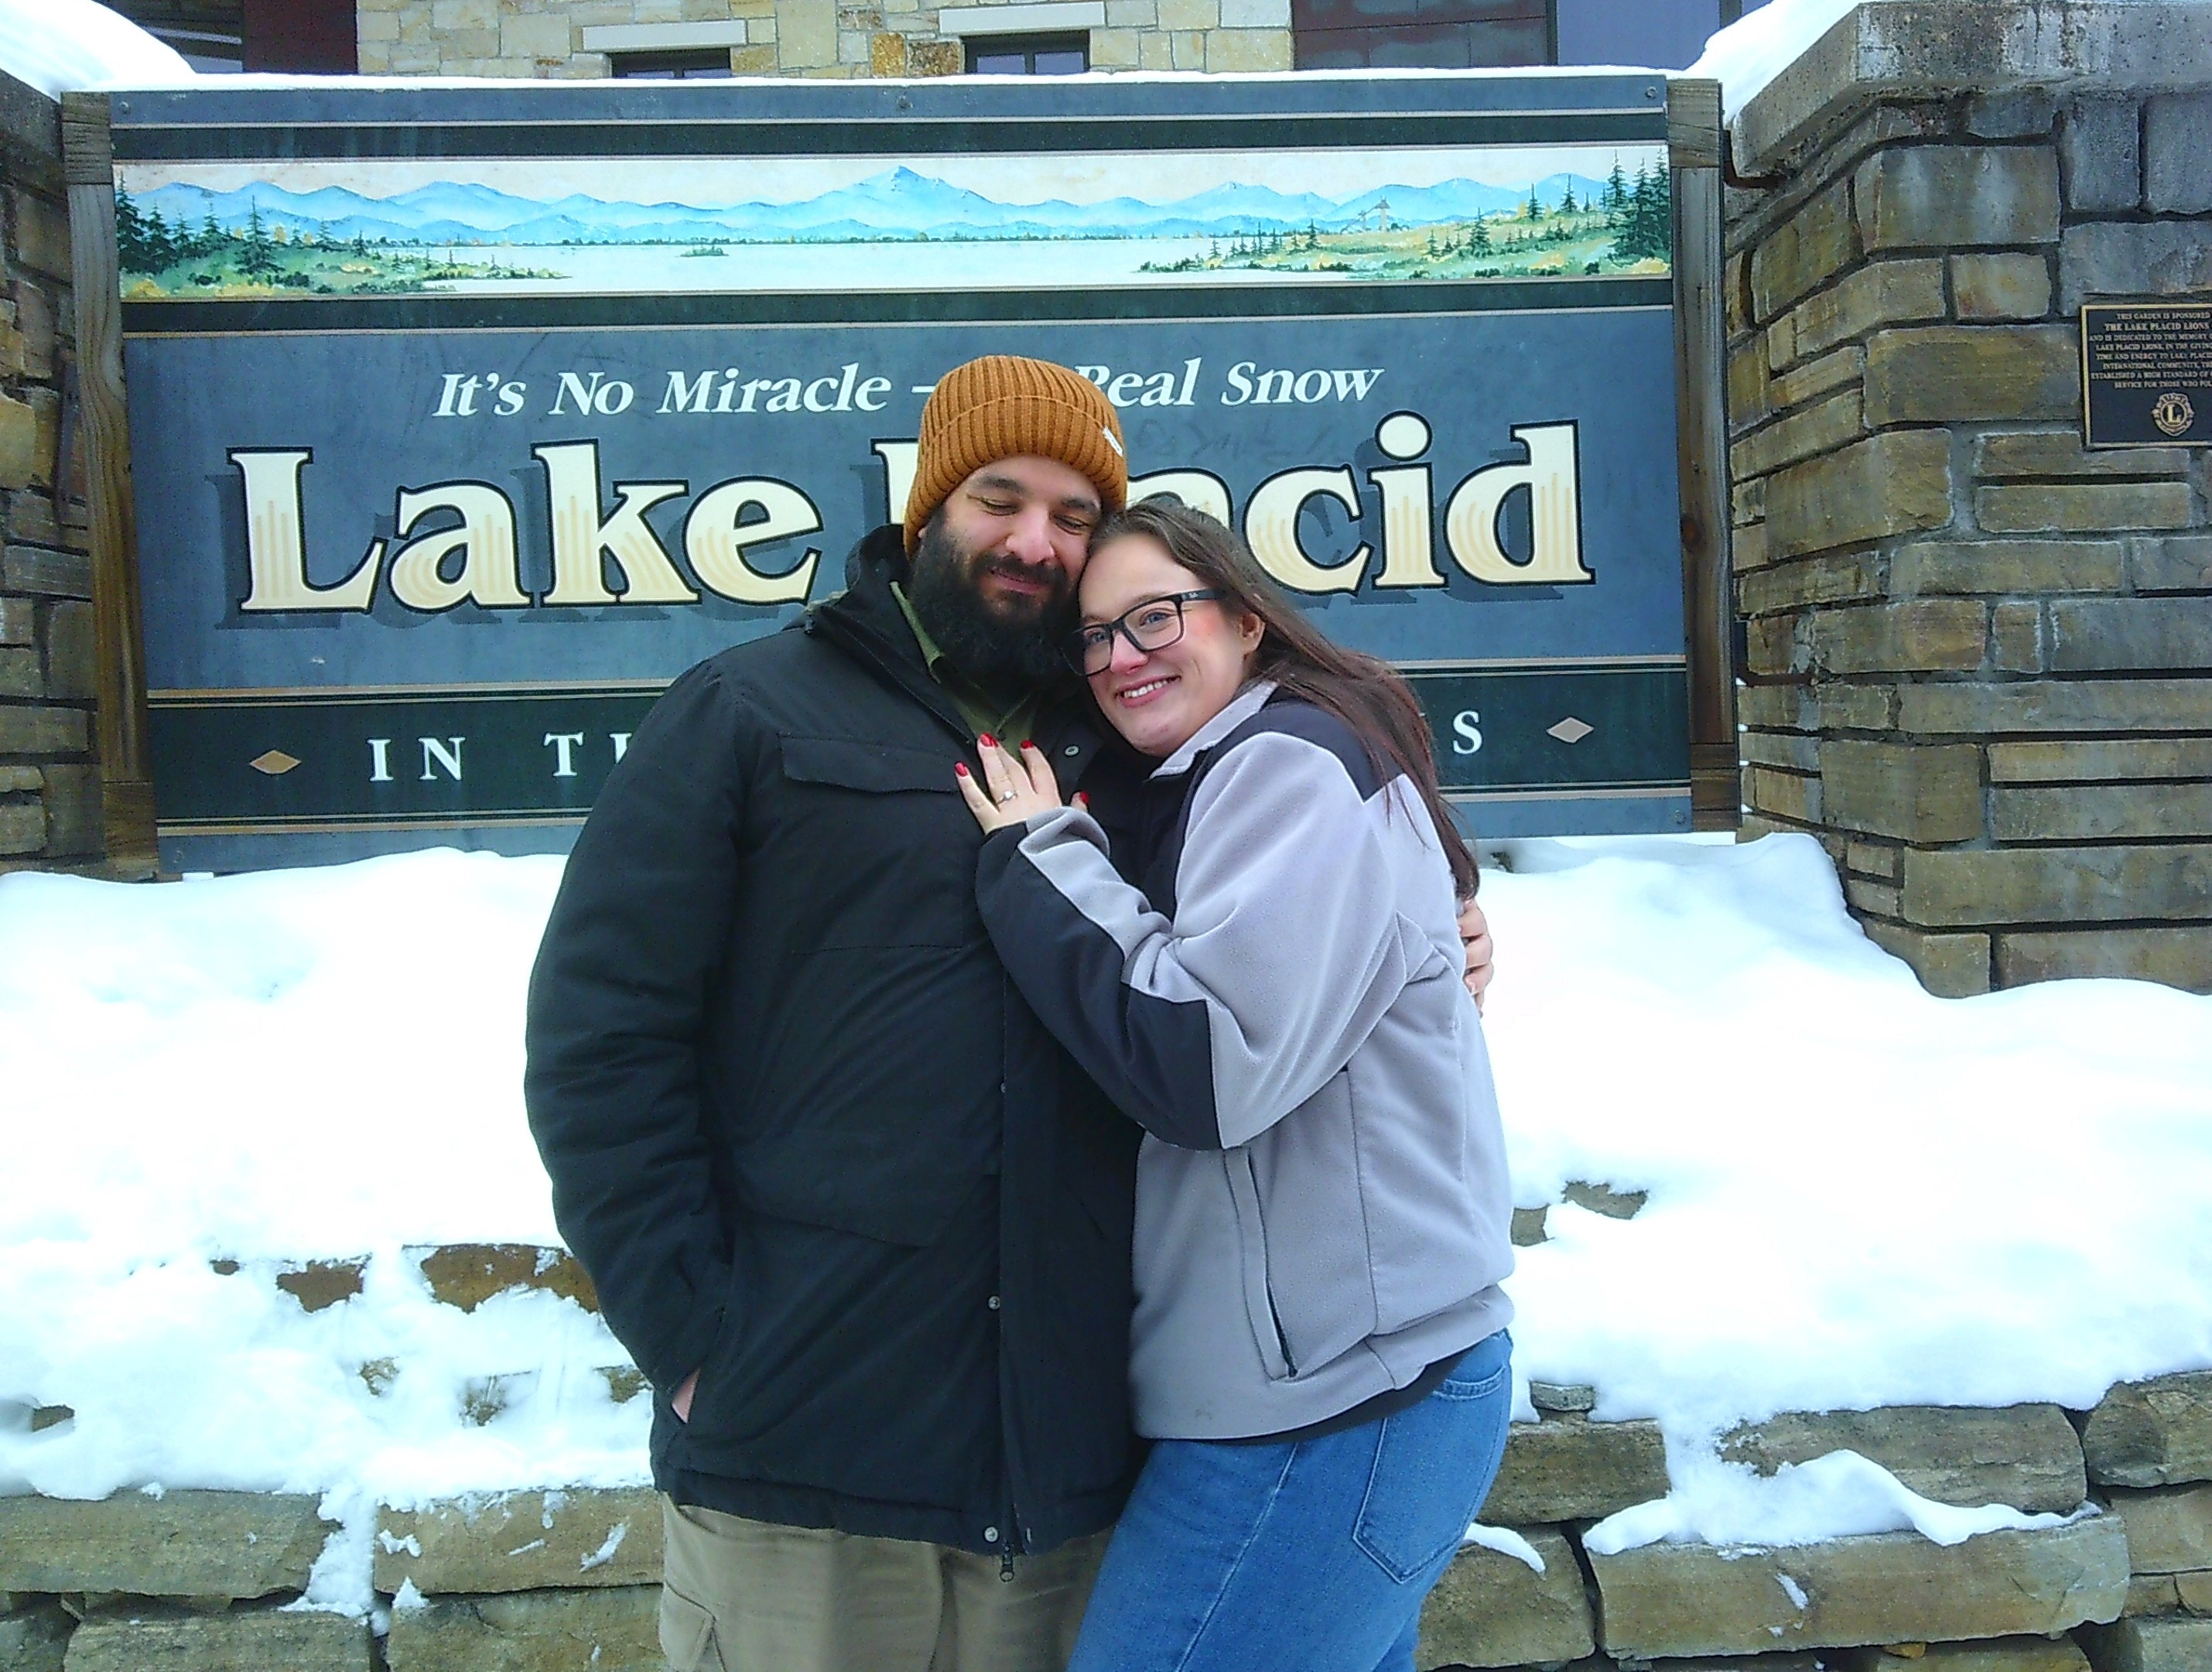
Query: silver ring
[[1007, 797]]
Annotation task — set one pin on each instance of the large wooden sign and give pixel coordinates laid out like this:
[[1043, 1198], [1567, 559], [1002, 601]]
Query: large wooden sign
[[463, 420]]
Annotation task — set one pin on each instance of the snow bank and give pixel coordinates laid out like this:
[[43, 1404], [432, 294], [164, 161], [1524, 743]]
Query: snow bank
[[58, 47], [1831, 1496], [278, 1068], [1859, 1194]]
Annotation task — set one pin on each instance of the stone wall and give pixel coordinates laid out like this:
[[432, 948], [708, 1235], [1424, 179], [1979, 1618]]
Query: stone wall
[[819, 38], [1975, 652], [50, 812], [202, 1581]]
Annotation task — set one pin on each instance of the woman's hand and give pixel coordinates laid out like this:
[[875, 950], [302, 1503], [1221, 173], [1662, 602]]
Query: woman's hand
[[1014, 786], [1474, 936]]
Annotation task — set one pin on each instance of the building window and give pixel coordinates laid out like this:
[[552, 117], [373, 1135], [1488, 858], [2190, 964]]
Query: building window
[[1427, 34], [216, 36], [1029, 55], [699, 65], [1472, 34], [209, 51]]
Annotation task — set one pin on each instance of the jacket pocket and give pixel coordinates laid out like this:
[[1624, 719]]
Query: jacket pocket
[[879, 842], [858, 764], [1252, 1265], [687, 1634], [856, 1181], [872, 1093], [1312, 1190]]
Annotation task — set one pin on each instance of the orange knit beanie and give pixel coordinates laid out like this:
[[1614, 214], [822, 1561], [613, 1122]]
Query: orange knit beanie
[[1003, 406]]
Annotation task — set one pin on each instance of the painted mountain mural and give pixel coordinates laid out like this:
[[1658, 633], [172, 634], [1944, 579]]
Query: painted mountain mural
[[178, 237]]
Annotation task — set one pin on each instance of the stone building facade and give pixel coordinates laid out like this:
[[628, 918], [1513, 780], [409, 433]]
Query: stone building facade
[[1976, 651], [50, 793], [900, 38], [811, 37]]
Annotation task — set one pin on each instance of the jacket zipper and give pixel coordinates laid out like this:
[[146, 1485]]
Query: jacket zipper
[[858, 641], [1014, 1538]]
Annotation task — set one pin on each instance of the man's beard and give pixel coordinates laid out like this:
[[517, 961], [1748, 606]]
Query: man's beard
[[991, 644]]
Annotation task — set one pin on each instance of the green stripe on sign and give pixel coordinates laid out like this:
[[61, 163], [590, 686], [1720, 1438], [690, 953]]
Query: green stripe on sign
[[255, 762], [1548, 728], [261, 762]]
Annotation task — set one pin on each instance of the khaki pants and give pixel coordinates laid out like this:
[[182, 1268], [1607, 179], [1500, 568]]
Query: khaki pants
[[745, 1595]]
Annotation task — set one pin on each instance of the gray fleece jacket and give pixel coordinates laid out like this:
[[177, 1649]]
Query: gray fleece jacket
[[1322, 1204]]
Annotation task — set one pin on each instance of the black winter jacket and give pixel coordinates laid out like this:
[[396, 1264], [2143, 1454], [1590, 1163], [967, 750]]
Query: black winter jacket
[[802, 1130]]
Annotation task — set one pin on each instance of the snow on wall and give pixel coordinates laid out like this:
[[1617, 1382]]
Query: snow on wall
[[58, 47], [1752, 52]]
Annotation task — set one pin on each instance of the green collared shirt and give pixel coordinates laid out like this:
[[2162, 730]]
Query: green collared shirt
[[986, 712]]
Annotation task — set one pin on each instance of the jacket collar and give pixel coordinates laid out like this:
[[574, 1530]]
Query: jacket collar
[[866, 621], [866, 606], [1241, 707]]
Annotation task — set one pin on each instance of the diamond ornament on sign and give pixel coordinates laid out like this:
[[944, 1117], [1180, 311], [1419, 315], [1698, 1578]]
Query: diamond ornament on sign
[[275, 761], [1571, 730]]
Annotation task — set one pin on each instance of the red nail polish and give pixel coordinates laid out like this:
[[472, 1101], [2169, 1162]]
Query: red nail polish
[[1028, 743], [987, 741], [960, 767]]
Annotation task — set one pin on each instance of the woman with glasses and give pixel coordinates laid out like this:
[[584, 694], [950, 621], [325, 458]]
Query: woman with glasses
[[1272, 990]]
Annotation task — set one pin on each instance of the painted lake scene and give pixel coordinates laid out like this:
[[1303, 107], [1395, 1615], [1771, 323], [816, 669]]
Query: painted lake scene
[[379, 227]]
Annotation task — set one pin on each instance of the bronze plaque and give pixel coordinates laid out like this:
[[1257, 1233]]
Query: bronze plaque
[[2147, 375]]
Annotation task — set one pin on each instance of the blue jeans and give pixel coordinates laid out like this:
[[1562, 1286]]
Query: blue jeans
[[1312, 1554]]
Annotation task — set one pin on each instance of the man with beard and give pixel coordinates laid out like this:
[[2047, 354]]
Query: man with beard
[[860, 1220]]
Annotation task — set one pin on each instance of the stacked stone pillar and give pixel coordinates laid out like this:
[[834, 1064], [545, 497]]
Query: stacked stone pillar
[[1976, 652], [49, 793]]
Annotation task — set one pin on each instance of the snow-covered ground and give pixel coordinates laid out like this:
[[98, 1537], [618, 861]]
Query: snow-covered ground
[[1859, 1194]]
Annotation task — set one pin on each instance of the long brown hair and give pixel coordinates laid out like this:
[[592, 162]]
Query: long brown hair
[[1363, 691]]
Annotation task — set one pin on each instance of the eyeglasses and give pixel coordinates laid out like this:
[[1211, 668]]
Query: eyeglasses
[[1152, 625]]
